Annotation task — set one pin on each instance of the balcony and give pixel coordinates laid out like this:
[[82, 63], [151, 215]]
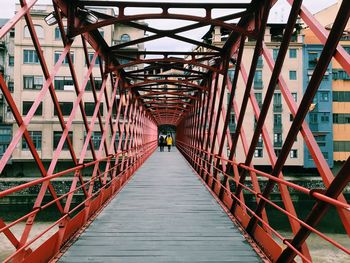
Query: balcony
[[313, 63], [277, 107], [258, 84], [277, 144], [277, 128], [314, 126], [232, 127]]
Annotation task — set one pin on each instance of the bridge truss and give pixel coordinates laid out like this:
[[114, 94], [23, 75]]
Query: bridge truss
[[193, 101]]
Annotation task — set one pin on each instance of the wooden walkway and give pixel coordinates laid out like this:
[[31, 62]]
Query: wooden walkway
[[164, 214]]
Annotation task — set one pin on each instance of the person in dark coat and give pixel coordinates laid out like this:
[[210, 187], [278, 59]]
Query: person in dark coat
[[161, 143]]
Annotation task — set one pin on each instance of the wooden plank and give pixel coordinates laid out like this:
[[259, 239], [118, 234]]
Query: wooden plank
[[164, 214]]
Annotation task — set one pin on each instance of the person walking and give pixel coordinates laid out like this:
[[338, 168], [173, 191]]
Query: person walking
[[161, 143], [169, 142]]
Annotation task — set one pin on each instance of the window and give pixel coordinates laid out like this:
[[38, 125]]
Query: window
[[313, 118], [232, 119], [293, 153], [324, 117], [258, 96], [341, 146], [96, 139], [30, 57], [291, 117], [91, 55], [277, 102], [341, 118], [275, 53], [12, 32], [277, 152], [295, 96], [89, 108], [260, 141], [324, 96], [313, 58], [339, 74], [26, 105], [65, 61], [276, 34], [64, 83], [66, 108], [277, 120], [260, 62], [231, 73], [57, 137], [321, 140], [258, 84], [10, 86], [11, 61], [341, 96], [57, 33], [38, 29], [125, 38], [98, 84], [293, 53], [347, 49], [36, 138], [277, 139], [33, 82], [292, 75], [258, 153]]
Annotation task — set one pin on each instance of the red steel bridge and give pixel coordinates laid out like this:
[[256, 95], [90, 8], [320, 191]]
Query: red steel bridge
[[166, 213]]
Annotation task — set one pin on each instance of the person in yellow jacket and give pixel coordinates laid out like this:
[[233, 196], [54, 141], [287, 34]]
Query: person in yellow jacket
[[169, 142]]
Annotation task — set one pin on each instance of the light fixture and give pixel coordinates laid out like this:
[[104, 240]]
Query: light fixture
[[51, 19], [87, 15]]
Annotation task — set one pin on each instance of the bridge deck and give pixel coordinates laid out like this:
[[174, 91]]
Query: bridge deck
[[164, 214]]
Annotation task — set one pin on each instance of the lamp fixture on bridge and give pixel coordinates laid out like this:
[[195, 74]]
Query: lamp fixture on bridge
[[51, 19], [87, 15]]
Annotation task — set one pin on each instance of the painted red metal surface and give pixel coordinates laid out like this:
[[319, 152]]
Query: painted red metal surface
[[192, 99]]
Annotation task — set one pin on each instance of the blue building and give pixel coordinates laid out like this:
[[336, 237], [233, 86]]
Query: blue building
[[319, 117]]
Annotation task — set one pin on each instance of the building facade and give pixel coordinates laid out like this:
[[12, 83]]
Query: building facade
[[320, 115], [44, 127], [279, 118], [6, 70], [339, 100]]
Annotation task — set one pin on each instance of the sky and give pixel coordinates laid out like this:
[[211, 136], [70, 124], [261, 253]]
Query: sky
[[278, 13]]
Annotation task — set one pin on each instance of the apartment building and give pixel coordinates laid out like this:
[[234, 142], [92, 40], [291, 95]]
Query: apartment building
[[319, 117], [340, 87], [44, 127], [6, 70], [279, 119]]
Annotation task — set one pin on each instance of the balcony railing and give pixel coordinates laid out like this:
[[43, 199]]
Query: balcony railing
[[277, 144], [258, 84], [277, 128], [232, 127], [277, 107]]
